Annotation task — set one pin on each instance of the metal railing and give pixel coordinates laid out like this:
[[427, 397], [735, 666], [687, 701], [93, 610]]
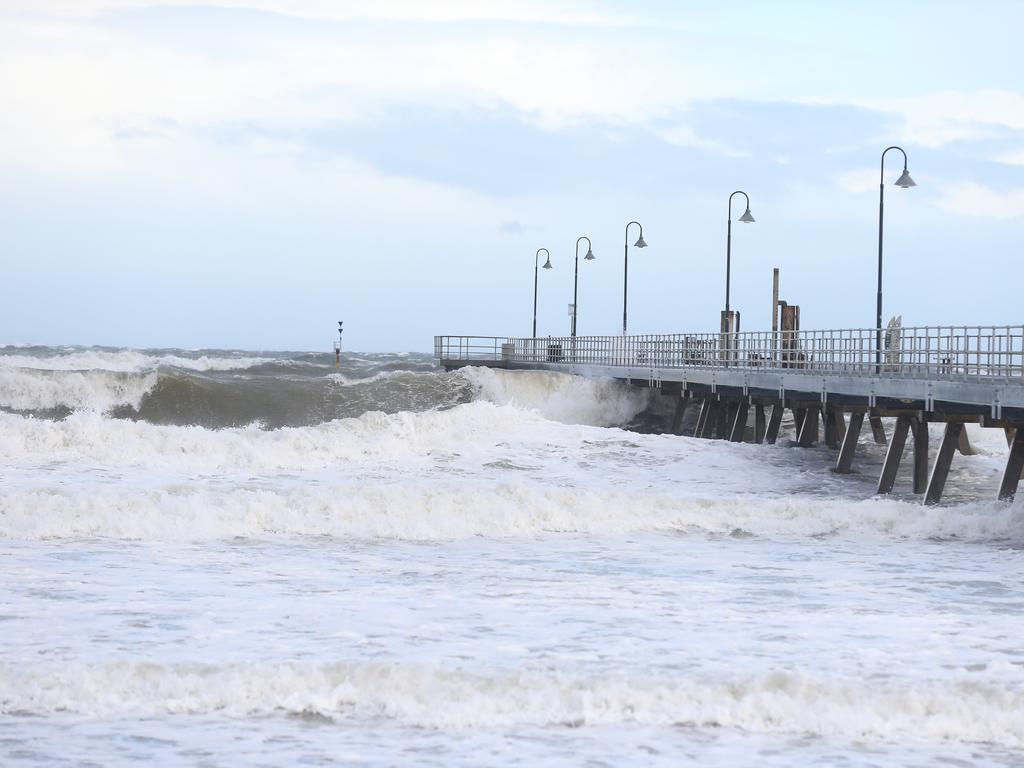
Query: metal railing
[[940, 352]]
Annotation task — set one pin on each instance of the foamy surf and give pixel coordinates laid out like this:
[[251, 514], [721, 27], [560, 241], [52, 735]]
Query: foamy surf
[[432, 697]]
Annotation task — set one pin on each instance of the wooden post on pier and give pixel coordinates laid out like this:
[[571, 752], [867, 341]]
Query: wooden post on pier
[[738, 424], [677, 416], [808, 433], [920, 427], [877, 430], [894, 454], [1014, 466], [937, 482], [759, 423], [726, 415], [845, 461], [835, 427], [710, 416], [774, 423]]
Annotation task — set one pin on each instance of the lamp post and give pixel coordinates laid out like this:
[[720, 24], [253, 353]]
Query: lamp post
[[625, 269], [746, 218], [905, 182], [576, 277], [547, 265]]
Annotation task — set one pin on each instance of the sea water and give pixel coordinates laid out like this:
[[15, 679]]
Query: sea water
[[226, 558]]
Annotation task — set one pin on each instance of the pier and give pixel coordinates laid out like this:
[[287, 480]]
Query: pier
[[832, 381]]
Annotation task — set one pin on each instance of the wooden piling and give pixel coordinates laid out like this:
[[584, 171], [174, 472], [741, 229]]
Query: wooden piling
[[774, 423], [894, 454], [920, 428], [831, 431], [711, 417], [808, 434], [845, 461], [738, 425], [877, 430], [677, 416], [1014, 467], [759, 423], [702, 417], [725, 412], [940, 471]]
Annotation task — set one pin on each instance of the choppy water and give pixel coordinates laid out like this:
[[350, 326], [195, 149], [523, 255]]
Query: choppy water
[[231, 558]]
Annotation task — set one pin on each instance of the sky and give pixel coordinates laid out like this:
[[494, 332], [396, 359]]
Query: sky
[[245, 173]]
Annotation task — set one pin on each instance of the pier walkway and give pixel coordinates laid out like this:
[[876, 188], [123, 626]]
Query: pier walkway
[[953, 375]]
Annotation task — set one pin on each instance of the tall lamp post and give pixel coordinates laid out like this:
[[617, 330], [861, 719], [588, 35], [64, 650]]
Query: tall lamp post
[[625, 269], [547, 265], [905, 182], [746, 218], [576, 277]]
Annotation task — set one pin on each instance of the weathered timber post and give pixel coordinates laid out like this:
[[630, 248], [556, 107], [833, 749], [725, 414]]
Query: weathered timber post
[[677, 416], [725, 416], [920, 427], [808, 434], [894, 454], [1014, 467], [774, 423], [877, 430], [940, 471], [799, 414], [738, 424], [711, 420], [831, 430], [963, 444], [845, 460], [759, 423], [702, 417]]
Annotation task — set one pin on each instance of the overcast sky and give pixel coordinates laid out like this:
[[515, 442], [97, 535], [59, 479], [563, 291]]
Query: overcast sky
[[247, 172]]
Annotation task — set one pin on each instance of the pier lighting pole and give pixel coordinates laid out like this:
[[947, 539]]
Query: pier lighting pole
[[905, 182], [625, 269], [746, 218], [576, 277], [547, 265]]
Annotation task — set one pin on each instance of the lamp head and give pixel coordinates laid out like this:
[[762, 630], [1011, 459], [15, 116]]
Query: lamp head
[[590, 255], [546, 264], [905, 181], [746, 218], [641, 243]]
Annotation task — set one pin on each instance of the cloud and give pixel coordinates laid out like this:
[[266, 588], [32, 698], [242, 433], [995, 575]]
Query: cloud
[[971, 199], [1014, 157]]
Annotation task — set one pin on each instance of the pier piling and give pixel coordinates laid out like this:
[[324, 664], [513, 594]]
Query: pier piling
[[937, 482], [894, 454], [845, 461], [1014, 467]]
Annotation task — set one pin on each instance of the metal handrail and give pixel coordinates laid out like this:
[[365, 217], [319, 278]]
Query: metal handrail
[[939, 352]]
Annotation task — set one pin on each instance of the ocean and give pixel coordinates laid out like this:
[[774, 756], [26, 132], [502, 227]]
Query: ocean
[[230, 558]]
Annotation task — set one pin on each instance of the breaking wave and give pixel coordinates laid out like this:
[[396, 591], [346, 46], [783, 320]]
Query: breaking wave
[[434, 697]]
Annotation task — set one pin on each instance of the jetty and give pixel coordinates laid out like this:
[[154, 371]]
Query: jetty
[[740, 384]]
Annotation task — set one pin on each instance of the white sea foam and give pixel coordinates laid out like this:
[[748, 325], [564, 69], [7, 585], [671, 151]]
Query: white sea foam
[[433, 697], [560, 397], [434, 512], [126, 361], [29, 389]]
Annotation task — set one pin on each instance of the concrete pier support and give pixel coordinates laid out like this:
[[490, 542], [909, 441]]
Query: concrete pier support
[[878, 430], [845, 461], [808, 432], [738, 424], [937, 482], [774, 423], [759, 424], [920, 429], [1014, 466], [964, 444], [894, 454]]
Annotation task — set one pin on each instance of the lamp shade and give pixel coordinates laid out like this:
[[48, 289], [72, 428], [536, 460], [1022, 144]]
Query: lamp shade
[[641, 243], [746, 218], [546, 264], [905, 181], [590, 255]]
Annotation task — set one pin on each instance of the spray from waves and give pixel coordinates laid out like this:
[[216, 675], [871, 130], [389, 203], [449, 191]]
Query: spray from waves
[[420, 511], [127, 361], [32, 390], [559, 396], [435, 697]]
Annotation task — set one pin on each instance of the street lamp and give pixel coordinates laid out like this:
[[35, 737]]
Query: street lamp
[[746, 218], [547, 265], [905, 182], [625, 269], [576, 276]]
